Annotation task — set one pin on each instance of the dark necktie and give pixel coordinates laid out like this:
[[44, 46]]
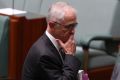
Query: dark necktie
[[62, 53]]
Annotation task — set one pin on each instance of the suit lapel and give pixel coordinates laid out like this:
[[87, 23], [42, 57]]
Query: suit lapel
[[51, 46]]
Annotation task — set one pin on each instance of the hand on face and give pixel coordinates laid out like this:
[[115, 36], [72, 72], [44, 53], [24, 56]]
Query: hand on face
[[70, 46]]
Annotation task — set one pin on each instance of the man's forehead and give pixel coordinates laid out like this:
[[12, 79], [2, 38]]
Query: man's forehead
[[70, 22]]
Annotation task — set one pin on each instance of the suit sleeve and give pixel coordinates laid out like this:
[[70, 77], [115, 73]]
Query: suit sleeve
[[68, 71]]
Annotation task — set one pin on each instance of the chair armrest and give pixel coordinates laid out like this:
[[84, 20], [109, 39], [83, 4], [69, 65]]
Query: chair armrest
[[105, 38], [86, 41], [110, 42]]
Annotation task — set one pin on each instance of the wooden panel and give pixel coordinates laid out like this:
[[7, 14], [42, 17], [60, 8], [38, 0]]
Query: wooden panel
[[24, 31], [103, 73], [15, 46]]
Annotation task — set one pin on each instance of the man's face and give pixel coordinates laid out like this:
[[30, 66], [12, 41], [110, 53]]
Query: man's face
[[65, 29]]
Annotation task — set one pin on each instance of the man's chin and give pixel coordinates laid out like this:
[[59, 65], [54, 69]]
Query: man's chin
[[64, 41]]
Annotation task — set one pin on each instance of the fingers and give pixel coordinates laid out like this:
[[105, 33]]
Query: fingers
[[60, 43], [69, 47], [71, 38]]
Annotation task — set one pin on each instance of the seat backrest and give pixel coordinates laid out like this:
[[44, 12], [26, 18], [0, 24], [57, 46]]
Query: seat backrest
[[95, 20], [4, 29]]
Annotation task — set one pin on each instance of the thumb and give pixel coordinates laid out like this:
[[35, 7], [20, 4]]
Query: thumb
[[60, 43]]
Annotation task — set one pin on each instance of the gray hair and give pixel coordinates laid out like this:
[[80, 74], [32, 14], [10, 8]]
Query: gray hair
[[57, 11]]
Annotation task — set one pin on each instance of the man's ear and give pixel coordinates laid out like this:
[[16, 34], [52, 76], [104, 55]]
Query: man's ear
[[52, 25]]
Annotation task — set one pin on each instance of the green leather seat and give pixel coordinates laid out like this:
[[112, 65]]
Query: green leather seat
[[96, 58], [4, 30], [96, 52]]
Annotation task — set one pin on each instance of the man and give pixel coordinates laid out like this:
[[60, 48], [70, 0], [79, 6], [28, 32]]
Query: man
[[52, 56], [116, 70]]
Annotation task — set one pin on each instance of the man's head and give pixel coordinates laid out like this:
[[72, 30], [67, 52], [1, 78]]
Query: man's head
[[61, 21]]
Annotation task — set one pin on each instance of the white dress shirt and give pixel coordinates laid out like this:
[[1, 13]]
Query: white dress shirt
[[53, 40]]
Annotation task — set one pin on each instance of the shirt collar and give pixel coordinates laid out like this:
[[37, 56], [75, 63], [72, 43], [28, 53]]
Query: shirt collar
[[53, 40]]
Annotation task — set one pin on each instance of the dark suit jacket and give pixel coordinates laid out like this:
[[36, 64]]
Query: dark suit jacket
[[43, 62]]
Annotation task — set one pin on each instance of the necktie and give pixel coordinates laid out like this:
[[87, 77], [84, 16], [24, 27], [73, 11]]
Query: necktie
[[62, 53]]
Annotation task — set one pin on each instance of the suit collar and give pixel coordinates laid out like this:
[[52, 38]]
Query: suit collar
[[50, 46], [53, 40]]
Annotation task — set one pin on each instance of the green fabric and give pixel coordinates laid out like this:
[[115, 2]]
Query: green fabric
[[97, 58], [104, 42], [101, 61], [4, 23], [102, 48], [94, 41]]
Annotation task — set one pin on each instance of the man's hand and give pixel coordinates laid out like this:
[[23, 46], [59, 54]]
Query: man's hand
[[70, 46]]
